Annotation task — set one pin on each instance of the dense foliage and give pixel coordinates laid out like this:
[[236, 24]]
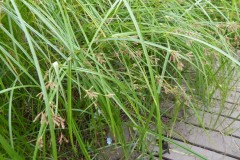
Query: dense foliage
[[74, 73]]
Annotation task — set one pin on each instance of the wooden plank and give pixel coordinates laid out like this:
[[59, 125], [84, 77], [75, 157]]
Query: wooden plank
[[214, 122], [235, 85], [232, 96], [177, 153], [226, 109], [212, 140]]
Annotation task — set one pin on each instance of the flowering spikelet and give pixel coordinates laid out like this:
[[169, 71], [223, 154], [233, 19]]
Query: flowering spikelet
[[175, 58], [91, 94]]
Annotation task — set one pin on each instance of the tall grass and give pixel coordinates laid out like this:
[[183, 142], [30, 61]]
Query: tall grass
[[75, 73]]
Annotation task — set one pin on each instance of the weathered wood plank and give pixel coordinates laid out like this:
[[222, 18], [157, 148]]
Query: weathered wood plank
[[212, 121], [232, 96], [215, 122], [235, 85], [225, 108], [215, 141], [177, 153]]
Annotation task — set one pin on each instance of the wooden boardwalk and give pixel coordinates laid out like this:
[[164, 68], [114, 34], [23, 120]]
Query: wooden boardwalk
[[220, 137]]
